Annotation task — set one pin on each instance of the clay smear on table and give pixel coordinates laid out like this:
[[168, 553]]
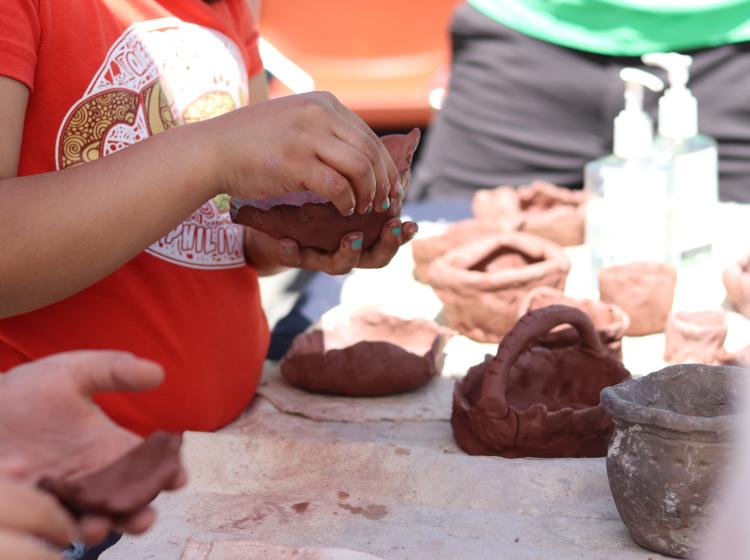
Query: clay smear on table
[[313, 222], [534, 401], [674, 431], [610, 321], [695, 337], [737, 283], [482, 284], [541, 208], [374, 355], [427, 250], [645, 292], [127, 485]]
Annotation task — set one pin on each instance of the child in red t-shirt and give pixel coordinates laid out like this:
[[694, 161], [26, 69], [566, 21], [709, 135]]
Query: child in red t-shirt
[[114, 232]]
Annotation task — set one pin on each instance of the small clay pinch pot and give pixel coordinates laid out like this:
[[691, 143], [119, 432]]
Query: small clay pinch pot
[[373, 356], [543, 209], [737, 283], [644, 290], [610, 321], [126, 486], [695, 336], [674, 432], [427, 250], [313, 222], [482, 284], [534, 401]]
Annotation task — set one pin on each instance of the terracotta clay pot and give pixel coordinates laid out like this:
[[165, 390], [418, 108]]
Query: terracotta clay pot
[[482, 284], [610, 321], [427, 250], [645, 292], [695, 337], [541, 208], [673, 434], [375, 355], [312, 221], [737, 283], [534, 401]]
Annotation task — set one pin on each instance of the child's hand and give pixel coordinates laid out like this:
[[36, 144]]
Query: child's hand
[[308, 142], [263, 249]]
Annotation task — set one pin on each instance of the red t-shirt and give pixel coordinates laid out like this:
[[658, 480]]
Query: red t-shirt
[[105, 74]]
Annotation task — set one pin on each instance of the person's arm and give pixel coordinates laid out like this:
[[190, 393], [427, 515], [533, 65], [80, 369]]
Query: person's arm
[[62, 231]]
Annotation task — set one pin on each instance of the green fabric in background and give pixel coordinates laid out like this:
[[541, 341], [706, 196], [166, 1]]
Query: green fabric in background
[[625, 27]]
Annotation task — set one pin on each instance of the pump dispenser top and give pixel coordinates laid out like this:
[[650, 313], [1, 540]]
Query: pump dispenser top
[[678, 108], [633, 129]]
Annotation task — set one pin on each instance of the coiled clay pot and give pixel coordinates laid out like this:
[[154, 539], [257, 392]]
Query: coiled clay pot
[[373, 356], [483, 283], [610, 321], [312, 221], [737, 283], [427, 250], [673, 434], [645, 292], [541, 208], [534, 401], [695, 337]]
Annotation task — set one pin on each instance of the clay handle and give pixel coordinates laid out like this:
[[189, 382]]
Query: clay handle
[[524, 333]]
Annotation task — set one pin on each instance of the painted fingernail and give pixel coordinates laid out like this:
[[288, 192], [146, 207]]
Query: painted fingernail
[[368, 209], [357, 244], [396, 231], [386, 204], [288, 248], [400, 190], [350, 212]]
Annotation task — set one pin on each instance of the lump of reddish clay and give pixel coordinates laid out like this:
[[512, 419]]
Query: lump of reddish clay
[[127, 485], [695, 337], [609, 320], [737, 283], [534, 401], [373, 356], [313, 222], [481, 284], [645, 292], [541, 208]]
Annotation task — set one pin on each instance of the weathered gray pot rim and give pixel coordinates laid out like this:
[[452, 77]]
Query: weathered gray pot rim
[[625, 411]]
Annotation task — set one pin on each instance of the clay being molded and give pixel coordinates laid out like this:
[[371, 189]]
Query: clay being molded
[[610, 321], [535, 401], [481, 284], [541, 208], [126, 486], [674, 431], [645, 292], [737, 283], [427, 250], [313, 222], [375, 355], [695, 337]]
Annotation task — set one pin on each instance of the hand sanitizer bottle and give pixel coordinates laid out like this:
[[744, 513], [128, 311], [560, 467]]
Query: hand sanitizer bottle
[[694, 159], [627, 211]]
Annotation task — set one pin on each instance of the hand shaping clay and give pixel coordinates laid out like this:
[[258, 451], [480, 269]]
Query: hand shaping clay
[[375, 355], [695, 337], [643, 290], [481, 284], [737, 283], [427, 250], [738, 359], [535, 401], [127, 485], [610, 321], [674, 433], [541, 208], [313, 222]]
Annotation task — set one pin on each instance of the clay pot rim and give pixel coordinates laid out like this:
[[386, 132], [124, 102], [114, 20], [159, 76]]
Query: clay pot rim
[[697, 329], [451, 264], [615, 330], [624, 411]]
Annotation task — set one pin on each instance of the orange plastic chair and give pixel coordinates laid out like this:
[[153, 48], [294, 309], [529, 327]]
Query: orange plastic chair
[[381, 59]]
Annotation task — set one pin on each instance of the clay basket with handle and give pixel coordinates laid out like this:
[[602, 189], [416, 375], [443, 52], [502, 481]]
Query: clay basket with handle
[[531, 400]]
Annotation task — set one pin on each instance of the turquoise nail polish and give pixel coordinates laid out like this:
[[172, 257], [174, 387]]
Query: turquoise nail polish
[[396, 231], [357, 244], [385, 204]]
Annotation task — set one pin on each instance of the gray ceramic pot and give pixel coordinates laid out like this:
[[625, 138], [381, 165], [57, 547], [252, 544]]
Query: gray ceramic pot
[[673, 433]]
